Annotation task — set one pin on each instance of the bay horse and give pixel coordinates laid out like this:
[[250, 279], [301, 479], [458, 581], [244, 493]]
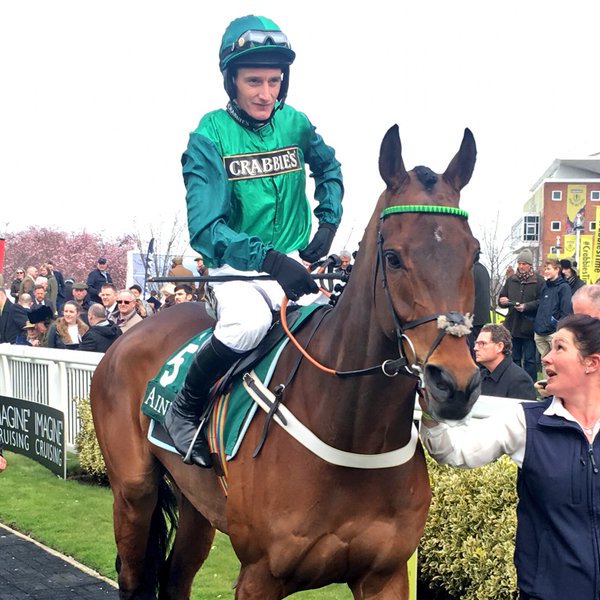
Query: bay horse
[[295, 520]]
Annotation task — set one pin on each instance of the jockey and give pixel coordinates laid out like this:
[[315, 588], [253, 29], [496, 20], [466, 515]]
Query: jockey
[[244, 172]]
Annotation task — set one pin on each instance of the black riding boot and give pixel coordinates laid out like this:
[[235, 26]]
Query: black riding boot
[[183, 417]]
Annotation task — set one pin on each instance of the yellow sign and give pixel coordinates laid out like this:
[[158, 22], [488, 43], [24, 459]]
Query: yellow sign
[[586, 256], [569, 246], [596, 257]]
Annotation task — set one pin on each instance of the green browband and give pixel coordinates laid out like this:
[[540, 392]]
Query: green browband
[[424, 208]]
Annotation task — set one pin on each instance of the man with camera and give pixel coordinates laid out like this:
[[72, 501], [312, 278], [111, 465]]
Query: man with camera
[[520, 294]]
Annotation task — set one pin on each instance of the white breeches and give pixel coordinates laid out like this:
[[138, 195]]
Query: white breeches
[[243, 308]]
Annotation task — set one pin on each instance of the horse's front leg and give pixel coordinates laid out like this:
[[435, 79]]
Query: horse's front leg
[[256, 582], [374, 586]]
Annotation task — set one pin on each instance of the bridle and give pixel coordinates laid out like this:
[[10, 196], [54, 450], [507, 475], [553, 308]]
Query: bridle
[[448, 323]]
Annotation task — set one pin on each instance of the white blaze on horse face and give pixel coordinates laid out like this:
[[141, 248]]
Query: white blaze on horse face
[[438, 234]]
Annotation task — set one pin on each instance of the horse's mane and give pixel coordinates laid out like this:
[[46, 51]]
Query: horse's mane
[[426, 176]]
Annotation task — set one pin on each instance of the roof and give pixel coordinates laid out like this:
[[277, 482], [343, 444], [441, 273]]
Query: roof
[[572, 168]]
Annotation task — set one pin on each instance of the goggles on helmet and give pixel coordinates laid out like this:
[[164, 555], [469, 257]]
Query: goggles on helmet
[[257, 39]]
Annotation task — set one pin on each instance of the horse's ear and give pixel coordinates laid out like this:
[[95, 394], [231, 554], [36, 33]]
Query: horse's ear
[[391, 165], [460, 169]]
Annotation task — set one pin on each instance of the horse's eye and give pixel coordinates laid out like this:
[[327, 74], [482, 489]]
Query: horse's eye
[[476, 255], [393, 259]]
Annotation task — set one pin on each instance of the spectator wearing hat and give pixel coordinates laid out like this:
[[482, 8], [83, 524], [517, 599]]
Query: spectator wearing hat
[[570, 274], [143, 308], [178, 270], [79, 290], [97, 278], [28, 335], [40, 318], [520, 294], [102, 332], [12, 319]]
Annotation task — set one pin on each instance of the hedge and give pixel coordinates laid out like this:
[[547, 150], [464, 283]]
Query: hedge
[[468, 544]]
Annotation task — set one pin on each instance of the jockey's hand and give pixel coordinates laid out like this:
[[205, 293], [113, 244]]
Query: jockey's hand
[[320, 244], [290, 275]]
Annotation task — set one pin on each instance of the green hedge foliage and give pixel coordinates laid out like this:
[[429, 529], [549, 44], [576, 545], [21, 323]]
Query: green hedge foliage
[[467, 549], [86, 443]]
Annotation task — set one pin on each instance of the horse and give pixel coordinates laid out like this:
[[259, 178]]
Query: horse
[[296, 519]]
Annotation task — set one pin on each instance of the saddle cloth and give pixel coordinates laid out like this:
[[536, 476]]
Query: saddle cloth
[[233, 408]]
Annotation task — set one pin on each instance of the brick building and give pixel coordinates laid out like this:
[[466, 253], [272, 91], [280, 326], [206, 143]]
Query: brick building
[[562, 216]]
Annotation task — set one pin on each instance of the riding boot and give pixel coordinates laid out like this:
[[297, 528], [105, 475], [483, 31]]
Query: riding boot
[[183, 417]]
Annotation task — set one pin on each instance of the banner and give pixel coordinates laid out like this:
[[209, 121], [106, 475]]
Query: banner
[[35, 430], [596, 259], [1, 255], [586, 256], [569, 246], [575, 205]]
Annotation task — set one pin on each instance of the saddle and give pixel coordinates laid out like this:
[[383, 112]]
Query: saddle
[[231, 408]]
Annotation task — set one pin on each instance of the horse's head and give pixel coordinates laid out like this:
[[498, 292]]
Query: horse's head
[[425, 259]]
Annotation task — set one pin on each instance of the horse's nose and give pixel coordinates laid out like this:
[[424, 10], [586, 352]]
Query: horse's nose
[[446, 400]]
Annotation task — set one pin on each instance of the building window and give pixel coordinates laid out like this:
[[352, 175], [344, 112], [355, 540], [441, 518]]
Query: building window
[[556, 195], [595, 196], [554, 225], [554, 250], [592, 225], [531, 228]]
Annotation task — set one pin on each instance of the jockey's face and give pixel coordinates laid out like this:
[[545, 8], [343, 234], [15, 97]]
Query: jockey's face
[[257, 90]]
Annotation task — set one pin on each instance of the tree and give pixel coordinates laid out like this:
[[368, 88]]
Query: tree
[[74, 254], [497, 256]]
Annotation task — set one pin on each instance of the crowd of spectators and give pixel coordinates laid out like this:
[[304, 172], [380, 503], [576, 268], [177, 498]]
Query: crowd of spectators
[[43, 308]]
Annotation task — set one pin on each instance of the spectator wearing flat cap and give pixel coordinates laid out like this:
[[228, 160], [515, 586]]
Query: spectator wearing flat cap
[[178, 270], [97, 278], [79, 291], [521, 295], [570, 274]]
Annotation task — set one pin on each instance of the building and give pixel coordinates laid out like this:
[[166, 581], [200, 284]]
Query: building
[[561, 218]]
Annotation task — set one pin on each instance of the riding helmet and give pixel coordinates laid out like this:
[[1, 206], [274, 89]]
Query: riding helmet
[[254, 41]]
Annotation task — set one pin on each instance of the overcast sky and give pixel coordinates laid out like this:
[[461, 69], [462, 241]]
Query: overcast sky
[[98, 98]]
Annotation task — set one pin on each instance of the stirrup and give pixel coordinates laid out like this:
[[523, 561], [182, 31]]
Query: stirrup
[[188, 458]]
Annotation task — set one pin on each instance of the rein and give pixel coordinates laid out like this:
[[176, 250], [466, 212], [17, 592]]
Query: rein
[[451, 323]]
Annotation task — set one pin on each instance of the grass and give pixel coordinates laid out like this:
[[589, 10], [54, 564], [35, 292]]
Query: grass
[[75, 518]]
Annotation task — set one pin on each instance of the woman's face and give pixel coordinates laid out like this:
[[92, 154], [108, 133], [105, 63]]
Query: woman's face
[[70, 314], [565, 367], [43, 272]]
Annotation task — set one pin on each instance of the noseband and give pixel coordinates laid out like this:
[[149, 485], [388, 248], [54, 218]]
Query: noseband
[[451, 323]]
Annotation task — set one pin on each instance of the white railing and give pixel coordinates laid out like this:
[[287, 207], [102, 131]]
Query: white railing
[[56, 378]]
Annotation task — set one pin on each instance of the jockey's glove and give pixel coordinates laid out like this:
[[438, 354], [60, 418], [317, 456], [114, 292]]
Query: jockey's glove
[[290, 275], [320, 244]]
